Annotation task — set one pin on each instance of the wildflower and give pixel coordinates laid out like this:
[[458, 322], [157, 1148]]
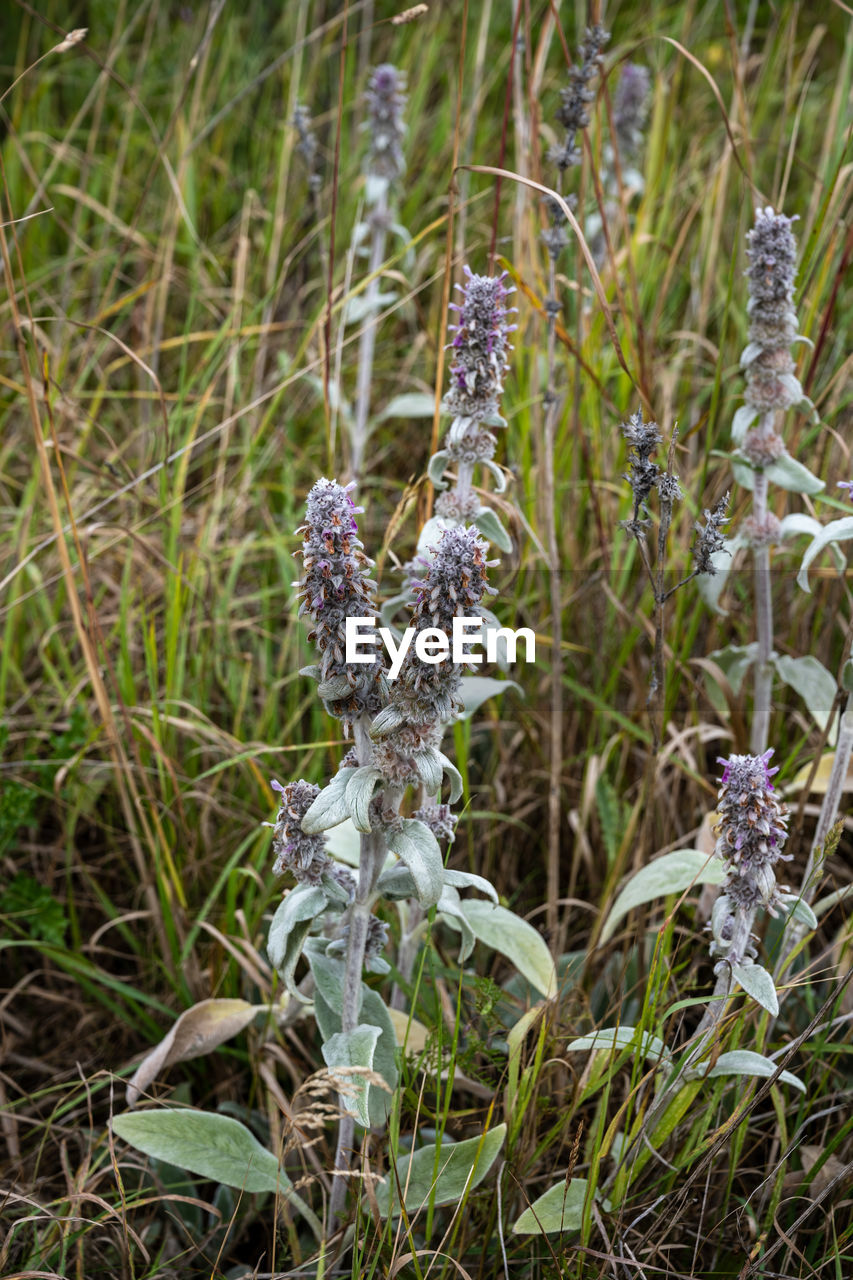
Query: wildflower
[[709, 537], [295, 851], [848, 485], [479, 349], [630, 108], [750, 835], [385, 100], [425, 695], [307, 145], [772, 253], [572, 113], [335, 586]]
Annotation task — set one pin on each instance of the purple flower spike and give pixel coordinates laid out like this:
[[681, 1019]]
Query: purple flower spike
[[772, 253], [750, 835], [335, 585]]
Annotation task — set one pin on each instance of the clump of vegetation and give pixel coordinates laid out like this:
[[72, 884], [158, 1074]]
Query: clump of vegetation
[[543, 968]]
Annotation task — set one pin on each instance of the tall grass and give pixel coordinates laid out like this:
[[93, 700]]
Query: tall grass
[[167, 400]]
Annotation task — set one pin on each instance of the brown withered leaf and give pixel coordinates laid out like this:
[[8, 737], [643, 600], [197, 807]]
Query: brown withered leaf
[[810, 1153], [198, 1031]]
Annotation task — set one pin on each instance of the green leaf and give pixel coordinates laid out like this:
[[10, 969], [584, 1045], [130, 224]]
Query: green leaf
[[712, 585], [743, 1062], [427, 761], [614, 1038], [836, 531], [475, 690], [757, 983], [328, 974], [559, 1209], [450, 910], [411, 404], [785, 472], [811, 680], [492, 529], [437, 467], [359, 794], [798, 909], [439, 1174], [210, 1145], [290, 927], [673, 873], [468, 880], [417, 847], [33, 905], [742, 421], [431, 533], [373, 1014], [330, 807], [514, 938], [798, 523], [449, 768], [349, 1049]]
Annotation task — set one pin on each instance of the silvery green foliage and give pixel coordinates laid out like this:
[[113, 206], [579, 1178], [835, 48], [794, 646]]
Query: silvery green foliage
[[386, 99], [751, 833], [335, 585]]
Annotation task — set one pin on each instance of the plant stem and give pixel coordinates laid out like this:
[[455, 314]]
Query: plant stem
[[373, 853], [367, 345], [763, 614], [555, 753]]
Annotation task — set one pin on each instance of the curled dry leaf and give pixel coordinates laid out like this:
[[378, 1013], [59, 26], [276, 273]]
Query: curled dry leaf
[[198, 1031]]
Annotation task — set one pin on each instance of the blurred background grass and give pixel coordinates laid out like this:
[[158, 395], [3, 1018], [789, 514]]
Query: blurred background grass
[[170, 299]]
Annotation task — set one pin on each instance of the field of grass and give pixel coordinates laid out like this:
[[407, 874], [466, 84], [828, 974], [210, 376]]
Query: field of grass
[[180, 333]]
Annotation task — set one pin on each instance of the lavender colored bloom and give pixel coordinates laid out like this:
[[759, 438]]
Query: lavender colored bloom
[[848, 485], [295, 851], [772, 253], [630, 109], [425, 696], [480, 344], [750, 835], [385, 100], [307, 145], [335, 586]]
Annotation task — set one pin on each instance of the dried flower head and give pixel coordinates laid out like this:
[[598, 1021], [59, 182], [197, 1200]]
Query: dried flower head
[[574, 100], [750, 835], [335, 586], [709, 537], [480, 345], [643, 439], [772, 253], [386, 99]]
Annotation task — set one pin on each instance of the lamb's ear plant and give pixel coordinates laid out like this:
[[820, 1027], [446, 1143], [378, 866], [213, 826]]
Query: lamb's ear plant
[[395, 715], [385, 167]]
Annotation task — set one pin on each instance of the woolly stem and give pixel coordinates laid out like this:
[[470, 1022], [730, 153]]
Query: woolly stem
[[763, 622], [367, 344]]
